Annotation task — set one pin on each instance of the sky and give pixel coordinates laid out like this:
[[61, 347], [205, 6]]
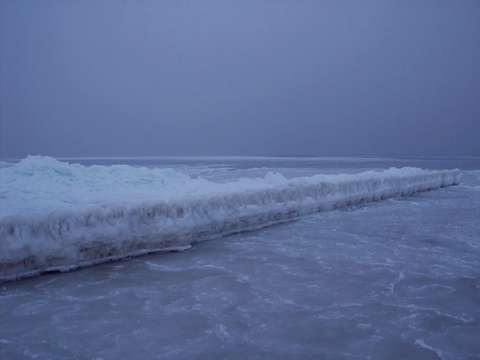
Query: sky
[[239, 77]]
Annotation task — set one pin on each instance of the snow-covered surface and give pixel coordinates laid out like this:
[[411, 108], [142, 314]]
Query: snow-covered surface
[[61, 216], [383, 280]]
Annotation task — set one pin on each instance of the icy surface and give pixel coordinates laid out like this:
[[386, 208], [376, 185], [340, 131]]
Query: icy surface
[[79, 219], [396, 279]]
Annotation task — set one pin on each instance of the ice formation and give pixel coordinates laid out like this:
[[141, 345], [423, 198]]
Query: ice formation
[[83, 223]]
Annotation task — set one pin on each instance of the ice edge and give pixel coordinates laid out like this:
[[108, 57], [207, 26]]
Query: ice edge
[[67, 240]]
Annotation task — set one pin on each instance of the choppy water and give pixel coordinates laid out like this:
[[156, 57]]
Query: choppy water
[[393, 279]]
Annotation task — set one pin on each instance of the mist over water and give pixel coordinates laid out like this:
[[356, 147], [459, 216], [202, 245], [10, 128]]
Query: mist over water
[[110, 78], [392, 279]]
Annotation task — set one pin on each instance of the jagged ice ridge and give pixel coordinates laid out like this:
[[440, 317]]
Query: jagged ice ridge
[[67, 239]]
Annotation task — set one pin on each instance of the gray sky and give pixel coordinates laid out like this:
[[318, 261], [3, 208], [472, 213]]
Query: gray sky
[[353, 77]]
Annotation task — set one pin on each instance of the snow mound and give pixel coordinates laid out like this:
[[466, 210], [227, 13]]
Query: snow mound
[[164, 216]]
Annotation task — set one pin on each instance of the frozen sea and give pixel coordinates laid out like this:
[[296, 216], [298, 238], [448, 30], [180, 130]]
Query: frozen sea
[[391, 279]]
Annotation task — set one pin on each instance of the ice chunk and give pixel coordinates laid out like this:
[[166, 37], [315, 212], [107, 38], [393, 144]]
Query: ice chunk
[[83, 235]]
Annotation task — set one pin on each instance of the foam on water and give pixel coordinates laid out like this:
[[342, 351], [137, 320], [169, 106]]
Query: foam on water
[[60, 216]]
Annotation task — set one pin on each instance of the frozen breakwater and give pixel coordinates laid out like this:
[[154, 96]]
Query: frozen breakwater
[[66, 239]]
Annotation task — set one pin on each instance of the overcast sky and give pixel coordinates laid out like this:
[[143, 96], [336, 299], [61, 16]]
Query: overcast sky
[[353, 77]]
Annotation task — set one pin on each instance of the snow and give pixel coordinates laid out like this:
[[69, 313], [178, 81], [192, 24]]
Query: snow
[[388, 279], [61, 216]]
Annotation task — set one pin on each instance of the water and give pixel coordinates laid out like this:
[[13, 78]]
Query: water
[[392, 279]]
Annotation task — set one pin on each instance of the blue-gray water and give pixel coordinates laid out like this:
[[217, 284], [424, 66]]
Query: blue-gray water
[[393, 279]]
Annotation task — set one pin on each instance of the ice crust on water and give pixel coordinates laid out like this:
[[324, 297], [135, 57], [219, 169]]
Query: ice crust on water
[[60, 216]]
